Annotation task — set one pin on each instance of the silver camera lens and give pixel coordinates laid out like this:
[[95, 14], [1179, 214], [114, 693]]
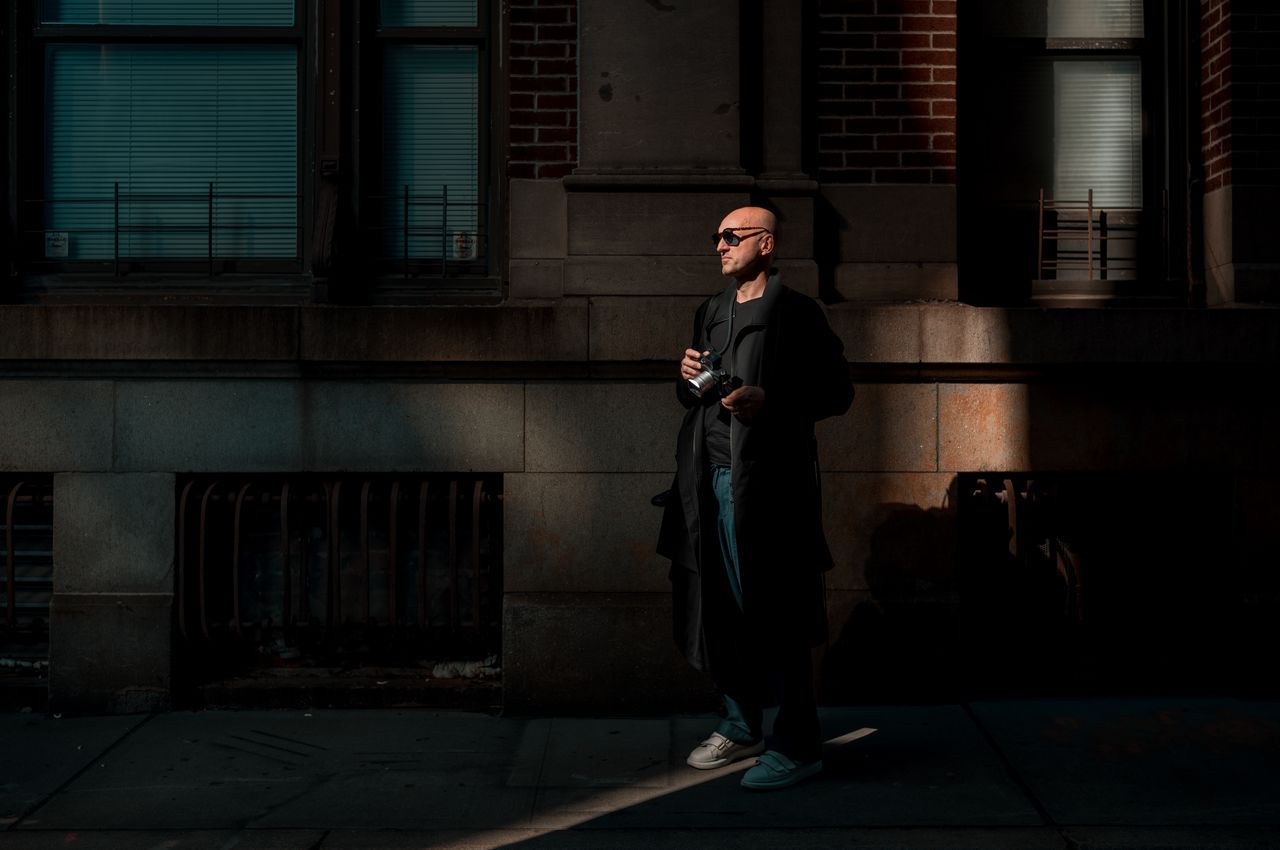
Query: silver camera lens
[[701, 382]]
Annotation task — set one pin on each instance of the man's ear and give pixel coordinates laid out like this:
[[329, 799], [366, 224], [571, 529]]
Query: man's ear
[[767, 244]]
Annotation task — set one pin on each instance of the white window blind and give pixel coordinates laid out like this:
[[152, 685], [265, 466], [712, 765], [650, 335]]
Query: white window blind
[[1098, 131], [248, 13], [164, 122], [427, 13], [431, 149]]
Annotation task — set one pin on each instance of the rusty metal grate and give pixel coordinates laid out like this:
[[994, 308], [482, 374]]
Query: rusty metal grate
[[338, 570], [26, 575]]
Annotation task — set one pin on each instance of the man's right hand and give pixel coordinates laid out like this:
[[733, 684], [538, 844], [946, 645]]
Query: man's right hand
[[690, 366]]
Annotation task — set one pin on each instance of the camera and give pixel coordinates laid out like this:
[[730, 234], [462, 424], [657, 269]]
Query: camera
[[712, 375]]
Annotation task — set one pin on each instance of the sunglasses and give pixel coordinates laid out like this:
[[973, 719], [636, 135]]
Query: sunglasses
[[732, 239]]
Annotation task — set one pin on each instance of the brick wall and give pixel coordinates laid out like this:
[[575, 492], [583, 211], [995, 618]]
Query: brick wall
[[1255, 72], [887, 91], [1215, 92], [542, 64]]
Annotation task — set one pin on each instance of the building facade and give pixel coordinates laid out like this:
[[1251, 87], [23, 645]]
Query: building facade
[[343, 334]]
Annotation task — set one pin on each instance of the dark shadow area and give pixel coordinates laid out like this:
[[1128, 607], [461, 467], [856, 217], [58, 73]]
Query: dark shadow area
[[1051, 584]]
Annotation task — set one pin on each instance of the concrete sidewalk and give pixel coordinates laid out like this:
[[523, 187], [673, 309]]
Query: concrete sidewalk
[[1115, 773]]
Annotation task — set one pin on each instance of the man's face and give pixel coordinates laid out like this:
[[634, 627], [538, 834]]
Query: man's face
[[746, 258]]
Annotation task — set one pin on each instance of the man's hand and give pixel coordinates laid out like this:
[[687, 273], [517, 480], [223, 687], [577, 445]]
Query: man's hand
[[744, 402], [690, 366]]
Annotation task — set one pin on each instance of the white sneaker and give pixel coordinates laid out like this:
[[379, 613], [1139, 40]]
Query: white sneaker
[[717, 751]]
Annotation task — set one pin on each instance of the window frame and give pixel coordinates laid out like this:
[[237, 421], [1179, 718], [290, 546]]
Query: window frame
[[1153, 279], [428, 279], [32, 39]]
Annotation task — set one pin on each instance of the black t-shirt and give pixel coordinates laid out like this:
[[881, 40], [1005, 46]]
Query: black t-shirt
[[715, 419]]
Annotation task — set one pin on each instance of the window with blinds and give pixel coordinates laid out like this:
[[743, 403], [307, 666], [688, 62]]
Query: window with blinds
[[167, 151], [431, 149], [241, 13], [431, 181]]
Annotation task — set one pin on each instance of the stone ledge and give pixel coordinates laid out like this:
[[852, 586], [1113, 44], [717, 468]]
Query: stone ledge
[[571, 331]]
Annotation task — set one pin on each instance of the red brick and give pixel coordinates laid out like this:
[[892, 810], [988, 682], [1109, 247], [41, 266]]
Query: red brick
[[557, 32], [942, 107], [896, 107], [523, 32], [870, 91], [539, 152], [929, 159], [920, 124], [944, 142], [552, 67], [847, 75], [876, 159], [521, 100], [539, 49], [929, 57], [899, 40], [944, 40], [871, 57], [845, 143], [550, 15], [872, 125], [921, 23], [522, 135], [903, 7], [944, 7], [944, 75], [928, 91], [539, 84], [522, 67], [538, 119], [557, 101], [942, 176], [904, 75], [548, 135], [902, 142], [872, 23]]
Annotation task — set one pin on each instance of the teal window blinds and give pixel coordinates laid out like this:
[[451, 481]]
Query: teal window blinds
[[241, 13], [164, 122], [427, 13], [431, 150]]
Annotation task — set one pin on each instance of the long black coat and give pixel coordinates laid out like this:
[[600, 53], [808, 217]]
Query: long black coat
[[782, 552]]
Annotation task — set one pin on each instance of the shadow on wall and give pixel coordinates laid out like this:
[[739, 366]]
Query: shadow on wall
[[897, 641], [1069, 583]]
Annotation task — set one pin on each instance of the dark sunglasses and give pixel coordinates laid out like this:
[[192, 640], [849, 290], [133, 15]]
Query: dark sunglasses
[[732, 239]]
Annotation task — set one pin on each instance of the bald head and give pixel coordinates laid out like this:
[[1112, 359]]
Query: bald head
[[751, 217]]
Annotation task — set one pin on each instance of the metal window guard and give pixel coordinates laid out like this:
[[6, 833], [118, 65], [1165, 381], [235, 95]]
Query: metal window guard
[[207, 199], [1097, 257]]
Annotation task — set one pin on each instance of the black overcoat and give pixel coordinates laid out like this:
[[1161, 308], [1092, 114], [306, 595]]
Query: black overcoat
[[799, 363]]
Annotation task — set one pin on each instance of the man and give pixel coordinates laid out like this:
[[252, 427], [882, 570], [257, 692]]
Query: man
[[743, 524]]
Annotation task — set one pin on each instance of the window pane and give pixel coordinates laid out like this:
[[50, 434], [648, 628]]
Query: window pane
[[164, 122], [1061, 18], [427, 13], [1098, 131], [261, 13], [431, 149]]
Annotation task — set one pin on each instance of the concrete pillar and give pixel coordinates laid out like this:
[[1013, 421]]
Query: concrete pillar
[[111, 613], [783, 183], [659, 86]]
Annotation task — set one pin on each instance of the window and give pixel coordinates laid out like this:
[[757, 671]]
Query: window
[[169, 135], [1063, 103], [425, 138]]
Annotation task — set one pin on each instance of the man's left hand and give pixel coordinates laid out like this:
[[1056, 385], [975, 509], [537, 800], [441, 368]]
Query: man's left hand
[[744, 402]]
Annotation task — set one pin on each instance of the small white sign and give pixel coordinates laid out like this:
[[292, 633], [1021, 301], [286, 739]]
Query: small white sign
[[464, 245], [55, 243]]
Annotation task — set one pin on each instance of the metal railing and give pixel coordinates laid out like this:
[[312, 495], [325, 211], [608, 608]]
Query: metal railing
[[205, 214], [442, 243], [306, 569], [26, 510], [1076, 235]]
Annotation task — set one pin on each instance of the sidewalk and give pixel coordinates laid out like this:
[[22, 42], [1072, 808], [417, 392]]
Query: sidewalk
[[1115, 773]]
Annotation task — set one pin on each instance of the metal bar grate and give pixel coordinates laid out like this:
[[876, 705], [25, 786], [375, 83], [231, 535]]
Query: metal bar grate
[[315, 571], [26, 573]]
